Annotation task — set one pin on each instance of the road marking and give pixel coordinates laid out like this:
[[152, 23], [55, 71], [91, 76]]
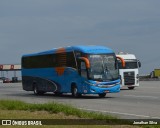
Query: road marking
[[120, 113], [142, 96]]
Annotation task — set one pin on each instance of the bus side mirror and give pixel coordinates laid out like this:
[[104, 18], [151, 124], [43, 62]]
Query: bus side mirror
[[86, 61], [122, 60], [139, 64], [84, 65]]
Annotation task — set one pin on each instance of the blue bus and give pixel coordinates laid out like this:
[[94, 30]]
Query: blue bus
[[75, 69]]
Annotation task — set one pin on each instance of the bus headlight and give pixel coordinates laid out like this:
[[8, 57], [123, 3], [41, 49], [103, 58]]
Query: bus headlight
[[92, 84]]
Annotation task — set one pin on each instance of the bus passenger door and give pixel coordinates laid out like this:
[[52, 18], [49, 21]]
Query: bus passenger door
[[82, 70]]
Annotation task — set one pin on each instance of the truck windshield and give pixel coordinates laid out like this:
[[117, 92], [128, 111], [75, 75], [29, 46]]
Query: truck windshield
[[130, 64], [103, 67]]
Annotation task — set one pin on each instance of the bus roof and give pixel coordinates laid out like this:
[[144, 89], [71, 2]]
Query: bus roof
[[90, 49]]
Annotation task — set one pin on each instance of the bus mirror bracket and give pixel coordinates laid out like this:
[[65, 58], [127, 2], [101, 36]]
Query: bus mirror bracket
[[122, 60], [86, 61]]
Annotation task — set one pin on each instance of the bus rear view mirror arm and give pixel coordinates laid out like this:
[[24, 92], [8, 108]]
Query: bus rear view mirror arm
[[86, 61], [122, 60]]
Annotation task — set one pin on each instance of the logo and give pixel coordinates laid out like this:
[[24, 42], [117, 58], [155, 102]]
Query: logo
[[21, 122], [6, 122]]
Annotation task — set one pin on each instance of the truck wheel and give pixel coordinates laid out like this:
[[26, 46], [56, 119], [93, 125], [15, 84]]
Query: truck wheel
[[102, 95], [130, 88]]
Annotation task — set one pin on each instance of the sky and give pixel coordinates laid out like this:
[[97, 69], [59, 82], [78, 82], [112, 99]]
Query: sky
[[133, 26]]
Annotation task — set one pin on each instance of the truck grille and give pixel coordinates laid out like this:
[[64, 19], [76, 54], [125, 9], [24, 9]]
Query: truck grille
[[129, 78]]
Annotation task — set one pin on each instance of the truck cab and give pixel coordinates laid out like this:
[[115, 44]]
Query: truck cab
[[130, 73]]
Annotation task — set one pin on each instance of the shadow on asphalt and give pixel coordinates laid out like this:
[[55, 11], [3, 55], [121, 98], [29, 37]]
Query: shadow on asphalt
[[63, 96], [124, 89]]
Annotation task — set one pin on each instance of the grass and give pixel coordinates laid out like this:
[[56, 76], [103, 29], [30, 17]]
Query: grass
[[12, 114], [11, 109], [51, 108]]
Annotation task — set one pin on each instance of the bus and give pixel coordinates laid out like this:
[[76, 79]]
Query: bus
[[130, 73], [74, 69]]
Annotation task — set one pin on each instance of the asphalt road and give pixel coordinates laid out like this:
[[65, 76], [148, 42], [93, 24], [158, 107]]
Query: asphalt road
[[141, 103]]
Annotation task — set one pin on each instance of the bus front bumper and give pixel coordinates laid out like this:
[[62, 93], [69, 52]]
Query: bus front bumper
[[98, 90]]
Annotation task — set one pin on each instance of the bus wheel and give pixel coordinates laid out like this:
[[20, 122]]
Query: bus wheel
[[75, 92], [130, 88], [36, 91], [102, 95]]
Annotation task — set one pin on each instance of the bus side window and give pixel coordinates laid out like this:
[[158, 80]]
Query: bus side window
[[83, 69]]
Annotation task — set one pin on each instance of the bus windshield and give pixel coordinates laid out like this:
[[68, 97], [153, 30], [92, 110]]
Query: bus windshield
[[103, 67], [130, 64]]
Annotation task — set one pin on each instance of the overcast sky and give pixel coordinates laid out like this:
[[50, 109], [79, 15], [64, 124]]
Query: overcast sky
[[132, 26]]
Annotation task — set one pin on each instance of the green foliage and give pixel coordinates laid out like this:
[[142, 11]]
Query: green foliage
[[57, 108], [61, 108], [52, 108]]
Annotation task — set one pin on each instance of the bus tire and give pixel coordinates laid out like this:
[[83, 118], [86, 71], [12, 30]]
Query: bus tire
[[36, 91], [75, 92], [131, 88], [102, 95]]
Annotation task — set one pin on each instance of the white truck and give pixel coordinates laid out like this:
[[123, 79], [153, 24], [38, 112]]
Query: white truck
[[130, 73]]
